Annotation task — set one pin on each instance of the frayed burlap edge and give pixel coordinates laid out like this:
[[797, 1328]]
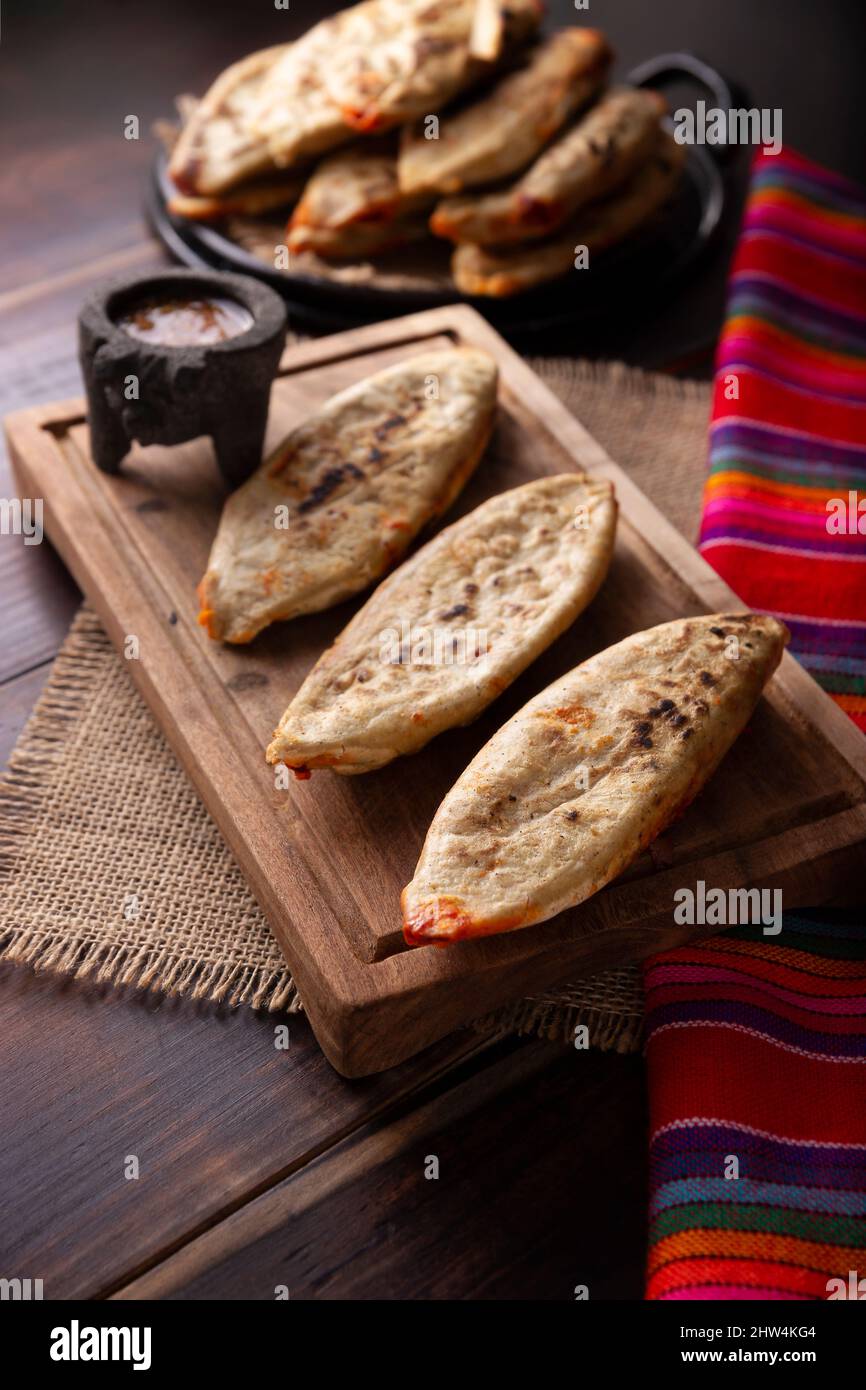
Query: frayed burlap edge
[[160, 972], [39, 751], [607, 1030], [619, 378]]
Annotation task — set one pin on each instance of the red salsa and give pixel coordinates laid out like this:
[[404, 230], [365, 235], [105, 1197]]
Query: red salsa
[[194, 322]]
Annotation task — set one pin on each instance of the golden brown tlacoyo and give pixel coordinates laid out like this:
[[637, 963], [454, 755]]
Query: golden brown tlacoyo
[[352, 205], [248, 199], [295, 115], [357, 240], [452, 627], [216, 149], [586, 163], [377, 65], [504, 130], [587, 774], [512, 269], [340, 500]]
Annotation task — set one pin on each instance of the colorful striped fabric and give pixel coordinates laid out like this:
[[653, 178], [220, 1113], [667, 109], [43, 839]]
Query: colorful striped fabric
[[788, 435], [757, 1045], [757, 1056]]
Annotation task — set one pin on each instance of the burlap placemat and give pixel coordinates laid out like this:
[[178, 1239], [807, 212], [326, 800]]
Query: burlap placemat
[[111, 869]]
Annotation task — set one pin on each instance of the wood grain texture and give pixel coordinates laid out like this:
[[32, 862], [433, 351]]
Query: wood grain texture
[[327, 858], [364, 1222], [39, 595], [17, 698], [200, 1095]]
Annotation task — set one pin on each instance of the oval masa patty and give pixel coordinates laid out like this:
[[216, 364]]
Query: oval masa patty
[[376, 65], [214, 151], [505, 270], [340, 500], [505, 129], [453, 626], [572, 788], [587, 162]]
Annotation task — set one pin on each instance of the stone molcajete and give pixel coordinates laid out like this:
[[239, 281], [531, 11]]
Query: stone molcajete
[[170, 356]]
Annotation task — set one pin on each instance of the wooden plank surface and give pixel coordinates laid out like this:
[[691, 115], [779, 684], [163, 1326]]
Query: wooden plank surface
[[17, 698], [39, 595], [327, 859], [366, 1222], [199, 1095]]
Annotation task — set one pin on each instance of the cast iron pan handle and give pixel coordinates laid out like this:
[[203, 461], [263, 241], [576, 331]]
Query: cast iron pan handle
[[666, 67]]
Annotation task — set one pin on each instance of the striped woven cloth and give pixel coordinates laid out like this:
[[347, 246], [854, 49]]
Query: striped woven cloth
[[757, 1046], [788, 437]]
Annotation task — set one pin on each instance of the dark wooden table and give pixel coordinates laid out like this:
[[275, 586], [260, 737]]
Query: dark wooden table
[[262, 1168]]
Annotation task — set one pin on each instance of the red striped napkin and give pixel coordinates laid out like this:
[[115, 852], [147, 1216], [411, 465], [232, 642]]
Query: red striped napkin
[[757, 1045]]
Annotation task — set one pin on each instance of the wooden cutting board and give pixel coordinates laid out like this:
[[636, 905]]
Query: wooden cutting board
[[328, 857]]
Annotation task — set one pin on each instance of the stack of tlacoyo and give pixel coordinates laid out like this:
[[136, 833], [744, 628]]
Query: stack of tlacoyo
[[397, 118], [574, 786]]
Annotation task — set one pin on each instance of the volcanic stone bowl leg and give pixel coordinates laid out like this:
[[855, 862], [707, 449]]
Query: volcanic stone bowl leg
[[109, 442], [238, 443]]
